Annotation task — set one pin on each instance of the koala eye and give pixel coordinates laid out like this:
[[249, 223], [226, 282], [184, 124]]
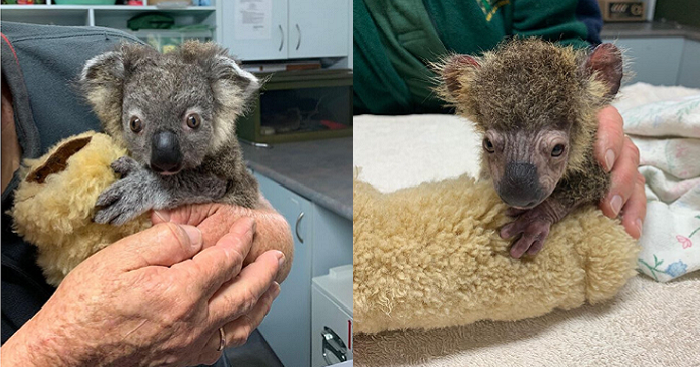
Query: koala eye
[[558, 150], [193, 120], [488, 145], [135, 124]]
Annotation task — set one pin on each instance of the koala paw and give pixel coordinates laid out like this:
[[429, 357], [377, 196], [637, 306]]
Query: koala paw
[[124, 200], [532, 226], [125, 165]]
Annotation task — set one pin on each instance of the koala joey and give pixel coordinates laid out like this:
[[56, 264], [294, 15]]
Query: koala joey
[[536, 104], [175, 113]]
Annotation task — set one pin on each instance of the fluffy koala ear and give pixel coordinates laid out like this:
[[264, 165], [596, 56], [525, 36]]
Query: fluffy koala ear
[[456, 73], [101, 82], [605, 63], [227, 70]]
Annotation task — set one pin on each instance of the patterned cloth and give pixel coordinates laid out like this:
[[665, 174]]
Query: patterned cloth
[[668, 136]]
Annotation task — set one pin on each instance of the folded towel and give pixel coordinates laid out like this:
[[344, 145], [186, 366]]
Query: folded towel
[[668, 136]]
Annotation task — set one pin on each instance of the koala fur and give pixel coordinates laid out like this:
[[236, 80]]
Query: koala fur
[[536, 105], [175, 113]]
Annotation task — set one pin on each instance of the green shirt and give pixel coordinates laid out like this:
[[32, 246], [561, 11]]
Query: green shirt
[[395, 39]]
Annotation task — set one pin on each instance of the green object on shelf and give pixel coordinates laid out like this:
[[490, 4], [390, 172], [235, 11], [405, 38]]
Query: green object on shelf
[[150, 21], [84, 2]]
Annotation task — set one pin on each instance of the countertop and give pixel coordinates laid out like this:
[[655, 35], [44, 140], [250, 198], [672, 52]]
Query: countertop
[[649, 29], [318, 170]]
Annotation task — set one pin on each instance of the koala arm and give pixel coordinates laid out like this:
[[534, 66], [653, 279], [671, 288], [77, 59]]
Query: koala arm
[[141, 190]]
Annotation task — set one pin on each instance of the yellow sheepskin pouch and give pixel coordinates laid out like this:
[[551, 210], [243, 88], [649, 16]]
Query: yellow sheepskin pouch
[[55, 203], [430, 256]]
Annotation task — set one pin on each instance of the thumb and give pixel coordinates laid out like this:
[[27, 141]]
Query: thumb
[[161, 245]]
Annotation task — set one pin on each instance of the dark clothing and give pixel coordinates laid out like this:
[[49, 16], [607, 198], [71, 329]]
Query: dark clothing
[[41, 65], [394, 41]]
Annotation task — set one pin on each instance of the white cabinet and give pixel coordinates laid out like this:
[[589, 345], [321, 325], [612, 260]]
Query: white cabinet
[[653, 60], [295, 28], [318, 28], [287, 328], [271, 44], [322, 240]]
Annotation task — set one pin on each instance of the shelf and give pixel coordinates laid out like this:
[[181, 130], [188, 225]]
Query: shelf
[[107, 7]]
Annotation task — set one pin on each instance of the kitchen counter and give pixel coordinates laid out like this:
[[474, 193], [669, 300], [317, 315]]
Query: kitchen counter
[[649, 29], [319, 170]]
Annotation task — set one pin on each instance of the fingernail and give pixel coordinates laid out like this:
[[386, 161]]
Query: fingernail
[[194, 234], [163, 215], [275, 289], [280, 257], [640, 225], [616, 204], [609, 159]]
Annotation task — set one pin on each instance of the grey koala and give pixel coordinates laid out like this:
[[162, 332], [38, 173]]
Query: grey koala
[[175, 113]]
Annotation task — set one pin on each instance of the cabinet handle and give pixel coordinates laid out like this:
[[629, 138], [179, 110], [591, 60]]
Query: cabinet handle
[[298, 41], [331, 342], [296, 227], [282, 32]]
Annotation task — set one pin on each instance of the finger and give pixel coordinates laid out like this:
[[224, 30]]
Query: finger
[[610, 137], [238, 296], [514, 228], [635, 210], [215, 265], [164, 245], [238, 330], [522, 244], [535, 247], [622, 179], [515, 212]]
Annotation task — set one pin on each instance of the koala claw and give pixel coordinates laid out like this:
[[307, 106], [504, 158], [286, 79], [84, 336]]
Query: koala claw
[[125, 199], [533, 228], [125, 165]]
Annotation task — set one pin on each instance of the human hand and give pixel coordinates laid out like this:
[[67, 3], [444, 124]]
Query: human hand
[[619, 156], [153, 298], [272, 230]]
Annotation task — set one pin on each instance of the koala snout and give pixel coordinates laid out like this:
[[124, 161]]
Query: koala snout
[[520, 186], [166, 155]]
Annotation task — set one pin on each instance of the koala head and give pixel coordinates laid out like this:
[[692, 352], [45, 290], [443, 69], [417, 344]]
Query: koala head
[[170, 110], [535, 105]]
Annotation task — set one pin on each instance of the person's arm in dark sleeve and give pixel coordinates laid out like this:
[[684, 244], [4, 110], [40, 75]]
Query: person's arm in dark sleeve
[[552, 20]]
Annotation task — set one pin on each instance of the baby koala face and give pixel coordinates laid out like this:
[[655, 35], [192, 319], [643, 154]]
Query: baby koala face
[[525, 166], [169, 110], [168, 116]]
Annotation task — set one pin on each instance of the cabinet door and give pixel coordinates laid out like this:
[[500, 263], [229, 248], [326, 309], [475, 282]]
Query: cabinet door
[[318, 28], [255, 29], [287, 328], [654, 60]]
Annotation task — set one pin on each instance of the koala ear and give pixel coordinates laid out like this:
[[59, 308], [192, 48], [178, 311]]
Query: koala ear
[[103, 69], [456, 72], [101, 82], [605, 63], [227, 70]]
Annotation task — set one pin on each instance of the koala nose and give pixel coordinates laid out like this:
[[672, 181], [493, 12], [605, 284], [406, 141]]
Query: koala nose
[[165, 152], [520, 185]]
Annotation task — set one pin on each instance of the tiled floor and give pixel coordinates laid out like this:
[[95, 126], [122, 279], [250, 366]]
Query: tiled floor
[[254, 353]]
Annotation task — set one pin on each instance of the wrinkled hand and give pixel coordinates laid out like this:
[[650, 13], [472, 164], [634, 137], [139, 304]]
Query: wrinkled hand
[[213, 220], [154, 298], [619, 156], [129, 197]]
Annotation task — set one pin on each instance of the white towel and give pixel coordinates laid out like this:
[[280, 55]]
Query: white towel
[[667, 133]]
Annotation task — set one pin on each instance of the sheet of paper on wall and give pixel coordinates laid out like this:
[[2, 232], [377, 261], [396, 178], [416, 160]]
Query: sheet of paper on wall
[[253, 19]]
